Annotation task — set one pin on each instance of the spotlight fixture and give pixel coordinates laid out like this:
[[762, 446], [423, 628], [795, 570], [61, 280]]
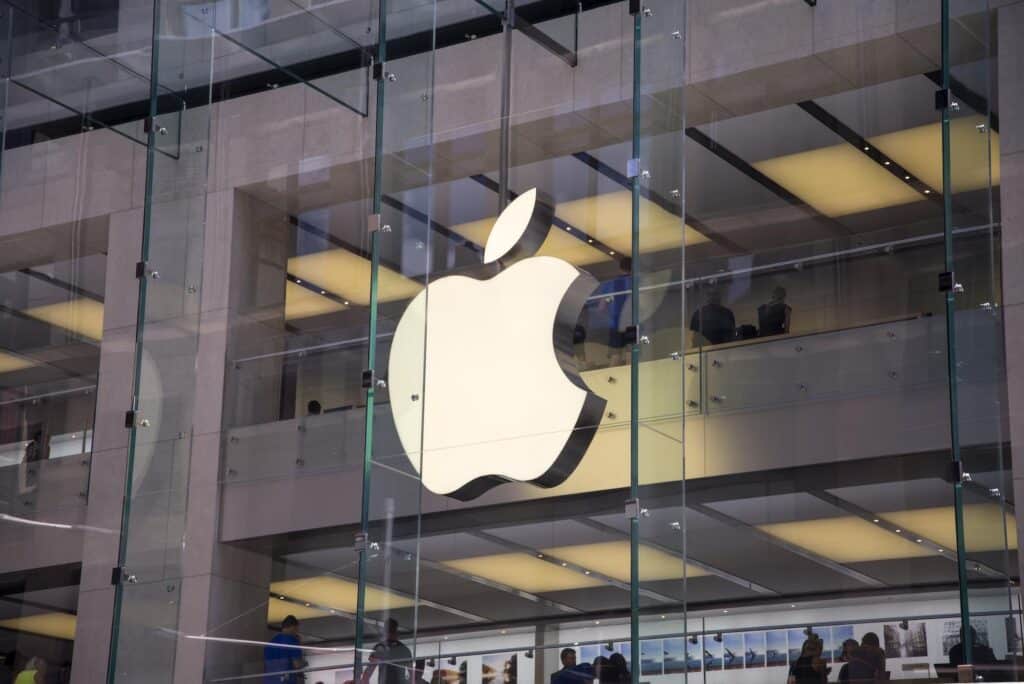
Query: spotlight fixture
[[452, 660], [529, 653], [904, 624], [431, 662], [609, 646], [718, 637], [693, 638]]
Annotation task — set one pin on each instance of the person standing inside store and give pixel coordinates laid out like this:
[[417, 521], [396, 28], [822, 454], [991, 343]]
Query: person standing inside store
[[844, 672], [867, 661], [773, 318], [810, 667], [981, 654], [34, 672], [713, 322], [571, 673], [283, 655], [392, 657]]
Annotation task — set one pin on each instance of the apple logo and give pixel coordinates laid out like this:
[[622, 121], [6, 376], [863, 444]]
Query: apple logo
[[482, 379]]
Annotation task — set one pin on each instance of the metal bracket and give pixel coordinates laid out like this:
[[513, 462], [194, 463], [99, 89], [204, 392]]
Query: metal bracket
[[634, 7], [149, 124], [129, 419], [631, 335], [633, 168], [943, 99], [120, 575], [373, 223], [633, 508], [141, 268], [378, 71], [947, 281], [367, 378], [361, 543]]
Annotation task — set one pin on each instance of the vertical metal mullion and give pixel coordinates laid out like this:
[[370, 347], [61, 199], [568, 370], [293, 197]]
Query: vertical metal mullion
[[140, 317], [504, 144], [951, 362], [634, 367], [371, 353]]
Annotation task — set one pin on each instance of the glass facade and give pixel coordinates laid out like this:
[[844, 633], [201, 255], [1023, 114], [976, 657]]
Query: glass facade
[[402, 341]]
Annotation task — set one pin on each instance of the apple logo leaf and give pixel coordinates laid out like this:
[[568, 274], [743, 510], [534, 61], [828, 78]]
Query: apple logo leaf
[[520, 230]]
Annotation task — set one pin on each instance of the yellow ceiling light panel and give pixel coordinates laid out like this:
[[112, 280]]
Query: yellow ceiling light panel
[[838, 180], [919, 151], [846, 539], [612, 560], [608, 218], [334, 592], [523, 571], [56, 625], [81, 316], [983, 526], [557, 244], [347, 275], [10, 363], [278, 610], [302, 303]]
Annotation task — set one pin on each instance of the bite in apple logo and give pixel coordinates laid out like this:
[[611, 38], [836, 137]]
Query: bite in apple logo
[[483, 383]]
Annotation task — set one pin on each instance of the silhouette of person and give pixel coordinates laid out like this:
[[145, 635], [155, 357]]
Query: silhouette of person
[[34, 672], [571, 673], [980, 653], [809, 668], [713, 321], [867, 661], [773, 318], [619, 667], [283, 654], [392, 656], [848, 646]]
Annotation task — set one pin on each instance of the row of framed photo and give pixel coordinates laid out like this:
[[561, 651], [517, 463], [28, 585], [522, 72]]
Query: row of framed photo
[[727, 651]]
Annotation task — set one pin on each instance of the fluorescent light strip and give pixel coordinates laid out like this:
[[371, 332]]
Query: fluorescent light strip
[[81, 316], [56, 625]]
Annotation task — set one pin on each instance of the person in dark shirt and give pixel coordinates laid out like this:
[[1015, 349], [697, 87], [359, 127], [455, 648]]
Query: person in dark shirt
[[714, 322], [848, 647], [392, 656], [980, 653], [773, 317], [283, 654], [867, 661], [571, 673], [809, 668]]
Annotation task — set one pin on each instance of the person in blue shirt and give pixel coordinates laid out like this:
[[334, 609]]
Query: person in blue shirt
[[283, 655], [571, 673]]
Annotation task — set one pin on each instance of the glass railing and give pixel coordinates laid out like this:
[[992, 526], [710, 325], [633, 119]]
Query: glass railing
[[902, 359]]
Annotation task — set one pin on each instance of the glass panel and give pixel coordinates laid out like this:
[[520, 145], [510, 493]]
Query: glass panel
[[979, 404], [662, 575], [59, 229]]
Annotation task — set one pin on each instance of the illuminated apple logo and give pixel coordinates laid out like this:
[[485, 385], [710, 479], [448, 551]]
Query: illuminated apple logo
[[483, 383]]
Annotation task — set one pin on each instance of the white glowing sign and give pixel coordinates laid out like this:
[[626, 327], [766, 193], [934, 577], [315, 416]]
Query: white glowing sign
[[483, 383]]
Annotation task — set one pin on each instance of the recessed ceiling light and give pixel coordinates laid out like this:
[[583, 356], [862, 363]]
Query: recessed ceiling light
[[726, 610], [662, 617], [927, 192], [898, 530], [887, 162], [298, 280], [323, 292], [875, 520], [867, 149], [792, 605], [612, 252], [590, 240], [346, 302], [281, 597], [920, 541], [906, 178]]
